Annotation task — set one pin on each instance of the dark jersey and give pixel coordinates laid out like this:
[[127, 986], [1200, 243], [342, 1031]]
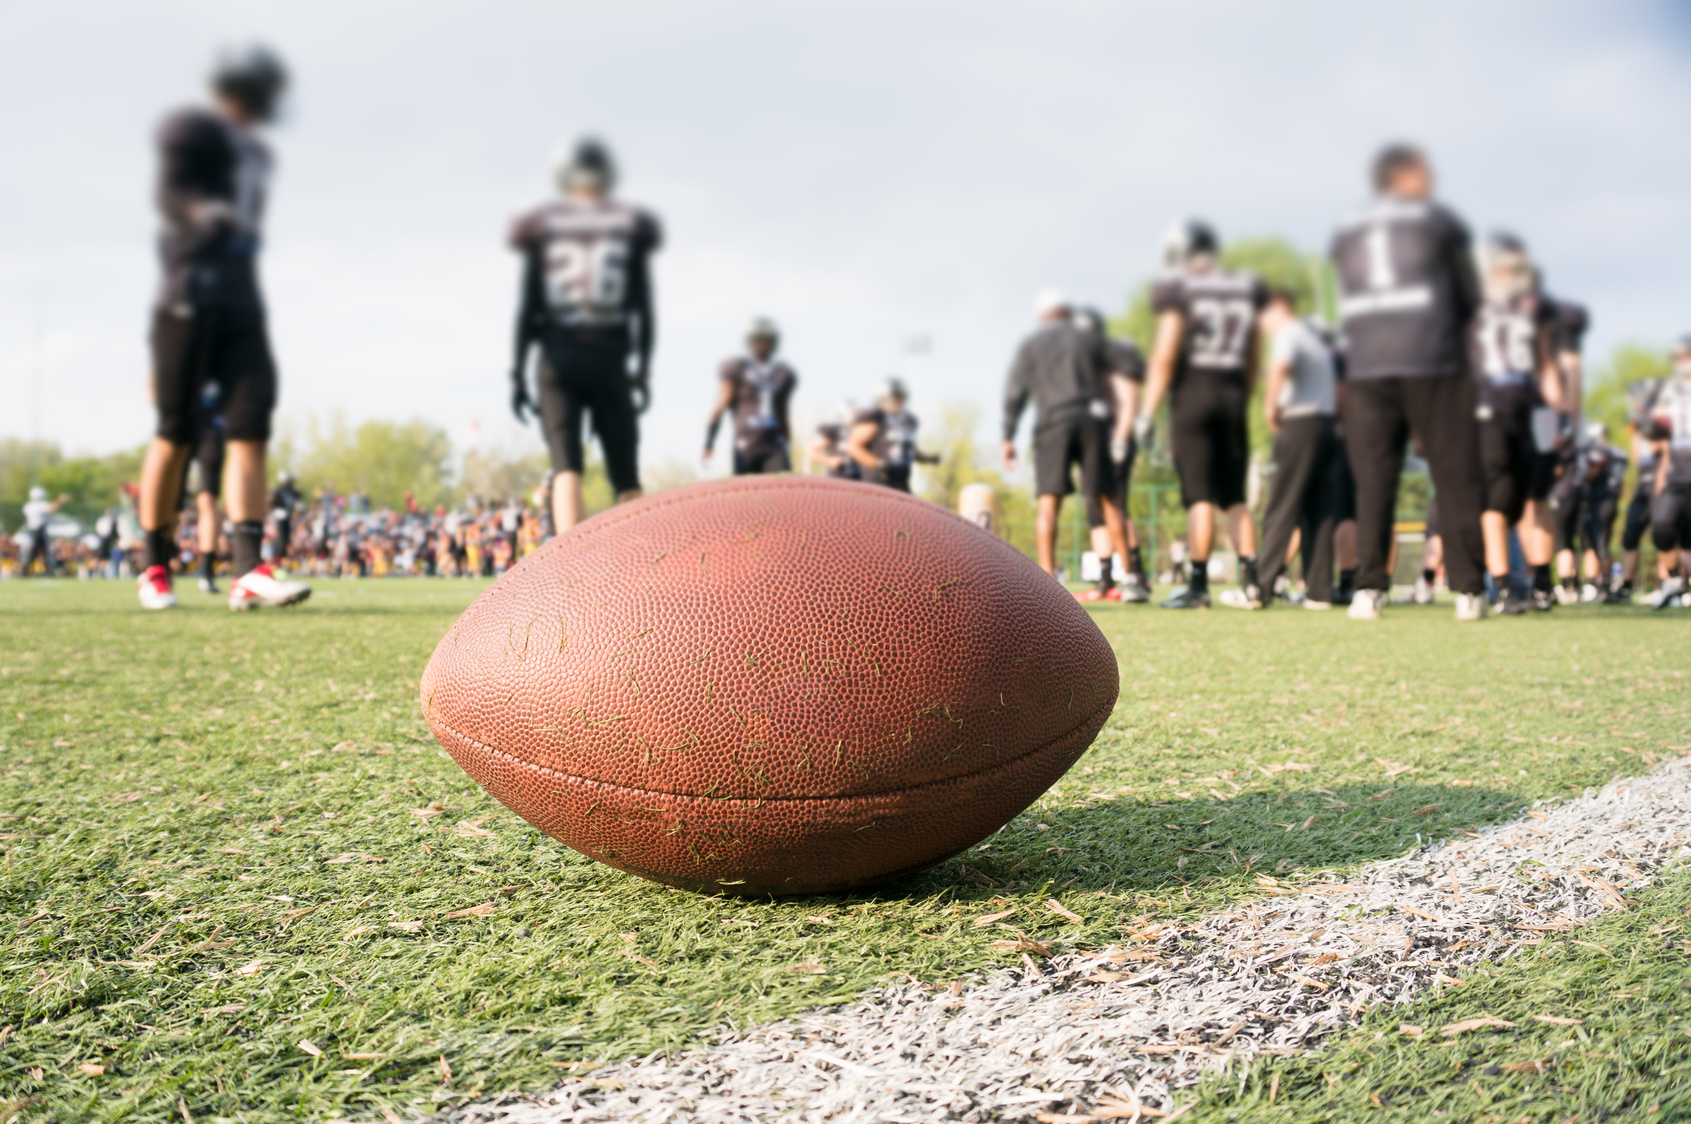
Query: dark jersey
[[1572, 321], [834, 436], [895, 435], [1505, 340], [761, 393], [1407, 290], [1219, 308], [587, 271], [1125, 359], [283, 500], [213, 177], [1601, 468], [1062, 368]]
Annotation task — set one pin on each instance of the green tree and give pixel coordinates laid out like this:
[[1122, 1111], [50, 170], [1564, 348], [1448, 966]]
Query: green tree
[[385, 459], [1606, 385], [92, 483]]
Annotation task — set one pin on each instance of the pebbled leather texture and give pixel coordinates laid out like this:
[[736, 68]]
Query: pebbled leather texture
[[771, 685]]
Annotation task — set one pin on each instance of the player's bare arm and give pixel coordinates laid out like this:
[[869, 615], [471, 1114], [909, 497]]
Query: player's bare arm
[[1159, 373], [857, 444], [724, 399]]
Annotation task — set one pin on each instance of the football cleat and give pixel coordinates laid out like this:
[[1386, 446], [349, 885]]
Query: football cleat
[[1133, 591], [1566, 596], [1240, 599], [1667, 597], [1511, 604], [1317, 606], [1541, 601], [262, 589], [1187, 599], [1093, 594], [155, 589], [208, 585], [1589, 593], [1367, 604], [1423, 592], [1470, 607]]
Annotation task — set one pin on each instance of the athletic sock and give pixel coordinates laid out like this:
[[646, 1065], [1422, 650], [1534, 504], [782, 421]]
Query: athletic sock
[[1541, 580], [1347, 580], [1248, 572], [208, 563], [1200, 580], [1570, 584], [1135, 563], [1428, 576], [161, 547], [248, 541]]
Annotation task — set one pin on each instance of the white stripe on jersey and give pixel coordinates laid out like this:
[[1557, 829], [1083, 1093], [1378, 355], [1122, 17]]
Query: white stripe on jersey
[[1389, 300], [1387, 210]]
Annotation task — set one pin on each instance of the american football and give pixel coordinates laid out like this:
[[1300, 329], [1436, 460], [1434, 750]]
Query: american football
[[771, 685]]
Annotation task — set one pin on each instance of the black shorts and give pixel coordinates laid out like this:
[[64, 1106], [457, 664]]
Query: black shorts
[[1061, 442], [1670, 517], [228, 346], [208, 455], [896, 476], [590, 374], [1344, 486], [1507, 453], [1567, 505], [1210, 442], [1121, 478], [1548, 468], [761, 461]]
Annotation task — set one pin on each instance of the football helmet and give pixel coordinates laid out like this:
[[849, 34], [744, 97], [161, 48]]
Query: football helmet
[[1188, 241], [253, 76], [1089, 320], [587, 166], [763, 328], [892, 387], [1508, 268]]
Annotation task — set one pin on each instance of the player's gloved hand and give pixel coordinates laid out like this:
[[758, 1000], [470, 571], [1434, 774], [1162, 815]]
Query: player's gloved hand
[[1118, 450], [642, 392], [521, 403], [1142, 429]]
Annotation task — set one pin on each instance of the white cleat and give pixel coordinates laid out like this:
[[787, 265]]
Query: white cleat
[[1239, 599], [262, 589], [1667, 597], [1423, 592], [155, 590], [1367, 604], [1470, 607]]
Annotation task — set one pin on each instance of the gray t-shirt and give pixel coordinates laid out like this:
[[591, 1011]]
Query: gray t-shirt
[[1311, 385]]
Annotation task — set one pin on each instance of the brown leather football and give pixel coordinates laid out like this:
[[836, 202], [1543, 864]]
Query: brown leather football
[[771, 685]]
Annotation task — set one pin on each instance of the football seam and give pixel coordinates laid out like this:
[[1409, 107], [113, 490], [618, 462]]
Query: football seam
[[571, 777]]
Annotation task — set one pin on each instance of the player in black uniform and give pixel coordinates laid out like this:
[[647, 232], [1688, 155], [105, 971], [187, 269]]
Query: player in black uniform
[[1068, 372], [1408, 290], [758, 387], [284, 501], [209, 321], [1520, 383], [1127, 371], [209, 449], [829, 447], [1641, 402], [1583, 505], [1205, 359], [882, 439], [587, 301], [1670, 511]]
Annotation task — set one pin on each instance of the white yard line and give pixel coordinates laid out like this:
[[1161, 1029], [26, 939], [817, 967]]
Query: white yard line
[[1108, 1031]]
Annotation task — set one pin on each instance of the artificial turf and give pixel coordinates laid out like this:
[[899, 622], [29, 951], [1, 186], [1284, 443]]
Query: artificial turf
[[241, 881]]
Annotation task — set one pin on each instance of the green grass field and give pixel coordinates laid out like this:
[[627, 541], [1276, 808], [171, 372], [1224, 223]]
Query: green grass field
[[242, 882]]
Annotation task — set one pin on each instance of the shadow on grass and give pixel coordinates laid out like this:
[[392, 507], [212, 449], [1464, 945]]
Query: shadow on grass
[[1139, 844]]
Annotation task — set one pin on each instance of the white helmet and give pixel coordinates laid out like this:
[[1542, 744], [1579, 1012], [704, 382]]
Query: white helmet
[[763, 328], [893, 387], [37, 493], [1050, 302]]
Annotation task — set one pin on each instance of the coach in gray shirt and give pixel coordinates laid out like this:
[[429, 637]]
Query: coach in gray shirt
[[1067, 373], [1303, 396]]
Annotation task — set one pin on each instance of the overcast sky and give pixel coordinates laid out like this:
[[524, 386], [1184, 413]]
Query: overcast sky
[[864, 172]]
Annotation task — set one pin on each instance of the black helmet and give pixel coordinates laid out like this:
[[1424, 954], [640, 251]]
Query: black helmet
[[252, 76], [587, 164], [1192, 238]]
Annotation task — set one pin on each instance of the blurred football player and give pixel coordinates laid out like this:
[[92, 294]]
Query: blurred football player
[[830, 448], [1641, 402], [587, 302], [209, 321], [1205, 360], [1302, 398], [284, 501], [208, 455], [1520, 382], [1670, 511], [1408, 291], [1127, 378], [1068, 371], [1583, 505], [757, 387], [882, 439]]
